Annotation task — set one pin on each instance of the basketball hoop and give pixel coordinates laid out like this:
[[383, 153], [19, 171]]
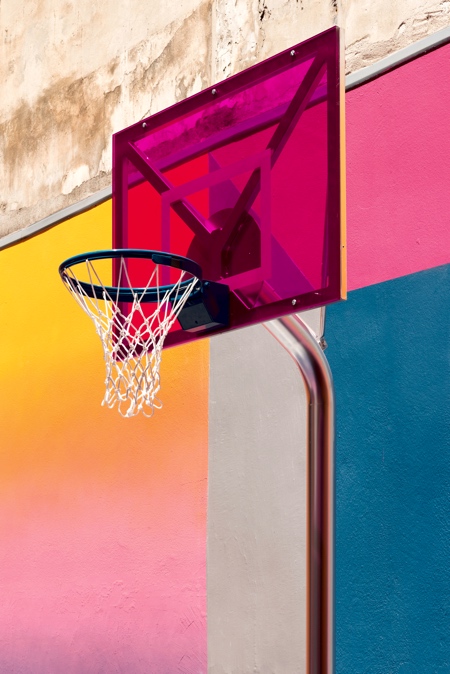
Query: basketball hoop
[[132, 336]]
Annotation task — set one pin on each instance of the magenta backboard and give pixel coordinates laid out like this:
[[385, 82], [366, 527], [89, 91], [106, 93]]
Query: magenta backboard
[[247, 179]]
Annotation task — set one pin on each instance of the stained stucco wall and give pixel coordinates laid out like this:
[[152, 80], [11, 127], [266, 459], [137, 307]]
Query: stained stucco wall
[[73, 73]]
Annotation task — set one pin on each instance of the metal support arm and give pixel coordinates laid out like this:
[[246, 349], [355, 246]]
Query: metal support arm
[[295, 336]]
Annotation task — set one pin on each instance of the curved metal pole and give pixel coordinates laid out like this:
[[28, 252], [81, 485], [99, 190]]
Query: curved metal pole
[[295, 336]]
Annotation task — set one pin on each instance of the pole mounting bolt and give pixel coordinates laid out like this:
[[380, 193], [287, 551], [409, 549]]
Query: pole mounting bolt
[[322, 343]]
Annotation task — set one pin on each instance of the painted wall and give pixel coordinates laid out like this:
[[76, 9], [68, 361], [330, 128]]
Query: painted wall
[[389, 348], [102, 521], [73, 73], [398, 169], [389, 353], [256, 505], [102, 562]]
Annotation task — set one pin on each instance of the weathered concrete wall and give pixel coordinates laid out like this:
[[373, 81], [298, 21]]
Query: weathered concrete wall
[[73, 73]]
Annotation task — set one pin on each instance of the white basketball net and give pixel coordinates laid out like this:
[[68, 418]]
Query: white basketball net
[[132, 339]]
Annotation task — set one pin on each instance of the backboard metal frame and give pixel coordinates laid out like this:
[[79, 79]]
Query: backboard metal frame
[[139, 158]]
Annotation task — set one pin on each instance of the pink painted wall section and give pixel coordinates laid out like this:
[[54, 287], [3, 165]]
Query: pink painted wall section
[[102, 519], [398, 171]]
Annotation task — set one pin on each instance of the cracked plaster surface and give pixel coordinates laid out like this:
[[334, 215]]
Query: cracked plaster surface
[[376, 29], [55, 145], [75, 73]]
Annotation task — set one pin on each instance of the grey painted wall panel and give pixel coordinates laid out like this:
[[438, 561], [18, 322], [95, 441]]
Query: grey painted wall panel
[[256, 566]]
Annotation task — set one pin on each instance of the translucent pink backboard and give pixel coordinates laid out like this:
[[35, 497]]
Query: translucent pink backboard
[[246, 179]]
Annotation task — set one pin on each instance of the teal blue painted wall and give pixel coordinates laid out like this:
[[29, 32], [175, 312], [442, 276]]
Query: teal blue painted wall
[[389, 351]]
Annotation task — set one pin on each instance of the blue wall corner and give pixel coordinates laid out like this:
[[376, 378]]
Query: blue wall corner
[[389, 351]]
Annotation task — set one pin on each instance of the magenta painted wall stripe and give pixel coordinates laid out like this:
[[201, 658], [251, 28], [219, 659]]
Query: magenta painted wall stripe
[[398, 150]]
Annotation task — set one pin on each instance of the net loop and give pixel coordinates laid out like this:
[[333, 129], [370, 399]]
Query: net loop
[[132, 337]]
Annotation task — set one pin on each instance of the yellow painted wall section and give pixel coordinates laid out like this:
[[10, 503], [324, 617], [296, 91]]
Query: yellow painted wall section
[[102, 519]]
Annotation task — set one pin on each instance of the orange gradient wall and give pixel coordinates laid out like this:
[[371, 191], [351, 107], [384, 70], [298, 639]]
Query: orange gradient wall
[[102, 519]]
